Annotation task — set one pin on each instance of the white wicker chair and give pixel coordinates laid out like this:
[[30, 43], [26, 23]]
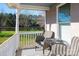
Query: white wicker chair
[[65, 50]]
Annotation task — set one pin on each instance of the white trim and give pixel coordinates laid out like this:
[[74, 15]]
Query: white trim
[[31, 7], [58, 30]]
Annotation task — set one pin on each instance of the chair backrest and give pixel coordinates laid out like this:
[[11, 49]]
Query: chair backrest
[[59, 49], [49, 34], [74, 47]]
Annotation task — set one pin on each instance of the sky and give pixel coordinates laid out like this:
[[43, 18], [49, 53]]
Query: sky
[[32, 12], [5, 9]]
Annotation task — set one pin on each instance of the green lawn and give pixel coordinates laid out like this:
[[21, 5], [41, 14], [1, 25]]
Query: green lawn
[[4, 35]]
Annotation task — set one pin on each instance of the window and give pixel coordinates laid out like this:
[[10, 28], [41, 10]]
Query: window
[[64, 14]]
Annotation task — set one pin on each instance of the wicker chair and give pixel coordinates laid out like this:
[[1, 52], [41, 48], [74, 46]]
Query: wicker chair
[[46, 35], [65, 50]]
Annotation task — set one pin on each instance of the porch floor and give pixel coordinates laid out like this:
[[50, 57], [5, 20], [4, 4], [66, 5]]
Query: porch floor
[[31, 52]]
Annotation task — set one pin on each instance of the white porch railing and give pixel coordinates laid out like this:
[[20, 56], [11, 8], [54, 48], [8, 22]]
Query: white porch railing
[[9, 47], [27, 39]]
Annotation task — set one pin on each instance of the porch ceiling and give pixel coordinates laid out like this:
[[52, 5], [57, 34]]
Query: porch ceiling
[[34, 6], [38, 4]]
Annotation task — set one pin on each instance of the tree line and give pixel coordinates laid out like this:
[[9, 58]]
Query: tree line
[[26, 21]]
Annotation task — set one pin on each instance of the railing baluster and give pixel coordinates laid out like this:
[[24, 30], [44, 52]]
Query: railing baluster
[[25, 40], [28, 40], [21, 40], [33, 38]]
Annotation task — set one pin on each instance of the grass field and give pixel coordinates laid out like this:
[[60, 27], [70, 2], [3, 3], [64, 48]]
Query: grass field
[[4, 35]]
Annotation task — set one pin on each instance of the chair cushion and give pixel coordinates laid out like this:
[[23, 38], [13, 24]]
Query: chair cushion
[[59, 49], [48, 34], [74, 47]]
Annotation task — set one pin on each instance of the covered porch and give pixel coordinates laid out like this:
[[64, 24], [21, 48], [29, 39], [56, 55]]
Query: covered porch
[[27, 47], [14, 45]]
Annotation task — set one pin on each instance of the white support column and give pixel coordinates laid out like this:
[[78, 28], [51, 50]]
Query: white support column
[[45, 19], [58, 34], [17, 27], [17, 21], [58, 26]]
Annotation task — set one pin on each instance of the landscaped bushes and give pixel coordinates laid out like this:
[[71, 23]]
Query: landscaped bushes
[[7, 29], [30, 29], [22, 28]]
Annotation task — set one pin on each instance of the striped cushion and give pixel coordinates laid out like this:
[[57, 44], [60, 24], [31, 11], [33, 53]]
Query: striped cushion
[[59, 49], [74, 47]]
